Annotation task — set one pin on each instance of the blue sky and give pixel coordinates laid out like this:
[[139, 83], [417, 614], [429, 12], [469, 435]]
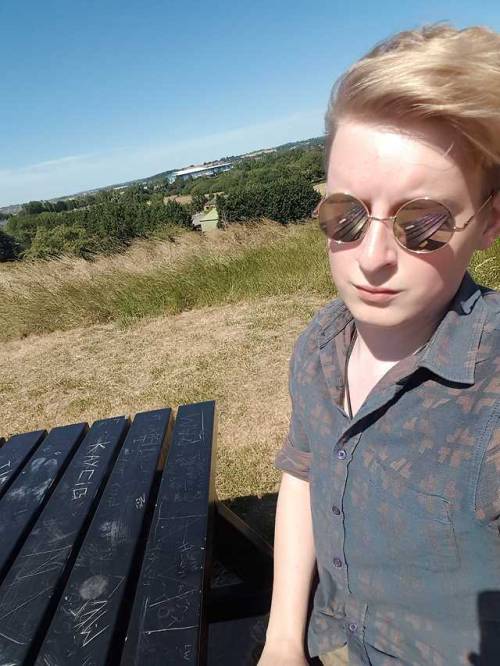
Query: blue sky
[[94, 92]]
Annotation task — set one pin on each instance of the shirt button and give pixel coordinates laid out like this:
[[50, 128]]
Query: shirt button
[[341, 455], [353, 627], [336, 510], [337, 562]]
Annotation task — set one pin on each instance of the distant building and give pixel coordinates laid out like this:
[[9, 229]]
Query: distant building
[[206, 220], [259, 153], [199, 171]]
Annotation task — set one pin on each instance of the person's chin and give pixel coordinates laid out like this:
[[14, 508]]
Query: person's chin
[[384, 313]]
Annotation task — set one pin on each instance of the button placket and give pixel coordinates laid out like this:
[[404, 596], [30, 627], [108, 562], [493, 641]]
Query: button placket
[[354, 624], [340, 460]]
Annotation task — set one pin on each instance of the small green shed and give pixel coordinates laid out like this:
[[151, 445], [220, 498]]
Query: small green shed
[[208, 220]]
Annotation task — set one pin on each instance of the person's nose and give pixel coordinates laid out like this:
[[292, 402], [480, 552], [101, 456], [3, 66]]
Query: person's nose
[[378, 249]]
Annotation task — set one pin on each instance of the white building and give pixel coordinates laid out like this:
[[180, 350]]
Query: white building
[[199, 171]]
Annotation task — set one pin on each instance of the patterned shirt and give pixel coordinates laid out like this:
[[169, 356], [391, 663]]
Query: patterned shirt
[[405, 497]]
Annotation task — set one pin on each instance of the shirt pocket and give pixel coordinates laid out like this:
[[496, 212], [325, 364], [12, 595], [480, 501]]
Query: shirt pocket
[[409, 528]]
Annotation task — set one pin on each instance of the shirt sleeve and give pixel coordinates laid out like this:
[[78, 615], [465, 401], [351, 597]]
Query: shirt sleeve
[[488, 487], [294, 457]]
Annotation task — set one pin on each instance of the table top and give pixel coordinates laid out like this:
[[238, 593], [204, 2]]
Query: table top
[[105, 539]]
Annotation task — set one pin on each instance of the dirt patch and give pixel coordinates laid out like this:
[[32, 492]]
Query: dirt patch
[[180, 198]]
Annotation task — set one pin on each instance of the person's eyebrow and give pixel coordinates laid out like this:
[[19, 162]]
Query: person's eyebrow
[[450, 203]]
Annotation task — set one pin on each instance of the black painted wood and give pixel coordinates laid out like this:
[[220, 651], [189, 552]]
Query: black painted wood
[[14, 455], [70, 597], [90, 621], [33, 585], [243, 550], [237, 642], [169, 624], [249, 558], [21, 504]]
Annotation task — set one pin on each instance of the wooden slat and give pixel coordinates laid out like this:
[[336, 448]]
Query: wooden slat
[[14, 455], [168, 624], [33, 585], [250, 555], [23, 501], [90, 621]]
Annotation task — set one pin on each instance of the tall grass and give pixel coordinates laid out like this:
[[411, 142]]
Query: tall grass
[[241, 263], [485, 266], [228, 266]]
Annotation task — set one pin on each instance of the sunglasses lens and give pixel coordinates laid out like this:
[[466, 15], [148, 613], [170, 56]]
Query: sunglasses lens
[[342, 218], [423, 225]]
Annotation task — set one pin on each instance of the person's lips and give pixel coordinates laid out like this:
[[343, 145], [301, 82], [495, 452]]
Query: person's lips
[[375, 295], [375, 290]]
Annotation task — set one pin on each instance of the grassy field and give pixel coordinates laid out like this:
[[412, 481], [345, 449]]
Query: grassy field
[[206, 317], [238, 264]]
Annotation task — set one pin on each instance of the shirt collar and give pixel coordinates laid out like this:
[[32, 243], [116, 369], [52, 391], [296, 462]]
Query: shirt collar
[[452, 350]]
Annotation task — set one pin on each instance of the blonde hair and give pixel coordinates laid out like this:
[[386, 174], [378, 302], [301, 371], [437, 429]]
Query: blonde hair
[[435, 72]]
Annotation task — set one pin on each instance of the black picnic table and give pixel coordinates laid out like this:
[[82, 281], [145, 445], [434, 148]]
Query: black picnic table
[[115, 551]]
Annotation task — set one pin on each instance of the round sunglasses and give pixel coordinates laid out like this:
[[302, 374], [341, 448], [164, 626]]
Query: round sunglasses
[[420, 225]]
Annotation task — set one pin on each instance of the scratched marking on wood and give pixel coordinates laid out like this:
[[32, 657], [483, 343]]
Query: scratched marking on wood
[[15, 454], [28, 592], [24, 499], [167, 619], [83, 626]]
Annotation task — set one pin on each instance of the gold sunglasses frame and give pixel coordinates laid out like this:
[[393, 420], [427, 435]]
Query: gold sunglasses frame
[[392, 218]]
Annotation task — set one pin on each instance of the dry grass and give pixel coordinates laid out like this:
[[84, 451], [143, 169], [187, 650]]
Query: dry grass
[[141, 257], [235, 352], [241, 263], [237, 355], [180, 198]]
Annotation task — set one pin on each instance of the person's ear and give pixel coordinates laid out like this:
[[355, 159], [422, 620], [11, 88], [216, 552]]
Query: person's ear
[[491, 229]]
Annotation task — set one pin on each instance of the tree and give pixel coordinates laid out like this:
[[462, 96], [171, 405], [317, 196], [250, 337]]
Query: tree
[[284, 200], [22, 228], [59, 206], [198, 202], [176, 213], [33, 208], [9, 249], [60, 240]]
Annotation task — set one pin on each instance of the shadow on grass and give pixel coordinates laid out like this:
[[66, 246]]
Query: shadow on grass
[[258, 512]]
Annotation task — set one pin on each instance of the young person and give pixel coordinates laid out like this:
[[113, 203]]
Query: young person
[[391, 465]]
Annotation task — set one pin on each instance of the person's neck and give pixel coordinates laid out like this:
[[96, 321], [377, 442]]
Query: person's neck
[[388, 346]]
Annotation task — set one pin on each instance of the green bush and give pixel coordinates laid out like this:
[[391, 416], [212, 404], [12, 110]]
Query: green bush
[[176, 213], [284, 200], [107, 225], [9, 249], [22, 228], [60, 240], [198, 202]]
